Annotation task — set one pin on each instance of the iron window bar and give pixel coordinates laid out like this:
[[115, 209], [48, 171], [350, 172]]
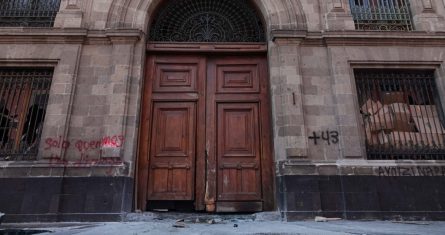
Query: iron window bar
[[381, 15], [402, 114], [28, 13], [24, 96]]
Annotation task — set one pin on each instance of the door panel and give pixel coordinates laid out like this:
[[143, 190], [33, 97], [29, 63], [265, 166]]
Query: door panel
[[175, 76], [238, 78], [172, 151], [239, 176], [237, 130]]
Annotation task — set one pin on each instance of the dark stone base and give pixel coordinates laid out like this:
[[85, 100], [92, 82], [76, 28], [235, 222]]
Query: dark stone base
[[362, 197], [57, 199]]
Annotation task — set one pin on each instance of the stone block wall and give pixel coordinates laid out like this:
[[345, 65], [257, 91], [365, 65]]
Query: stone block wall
[[97, 50]]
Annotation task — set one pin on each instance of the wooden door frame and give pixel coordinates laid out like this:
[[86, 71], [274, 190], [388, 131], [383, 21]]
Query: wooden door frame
[[142, 168]]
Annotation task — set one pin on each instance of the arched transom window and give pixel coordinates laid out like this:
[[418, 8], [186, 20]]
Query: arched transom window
[[207, 21]]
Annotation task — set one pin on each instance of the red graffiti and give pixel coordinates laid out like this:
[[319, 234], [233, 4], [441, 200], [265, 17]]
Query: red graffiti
[[115, 141], [84, 161], [56, 143]]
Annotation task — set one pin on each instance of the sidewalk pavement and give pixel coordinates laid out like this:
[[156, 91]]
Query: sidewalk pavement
[[220, 225]]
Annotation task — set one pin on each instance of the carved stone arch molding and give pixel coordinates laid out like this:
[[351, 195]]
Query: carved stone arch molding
[[277, 14]]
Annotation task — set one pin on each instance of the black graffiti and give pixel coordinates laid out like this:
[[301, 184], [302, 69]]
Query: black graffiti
[[330, 137], [412, 171]]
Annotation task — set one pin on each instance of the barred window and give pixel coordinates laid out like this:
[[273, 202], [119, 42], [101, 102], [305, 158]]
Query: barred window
[[402, 114], [24, 96], [381, 15], [28, 13]]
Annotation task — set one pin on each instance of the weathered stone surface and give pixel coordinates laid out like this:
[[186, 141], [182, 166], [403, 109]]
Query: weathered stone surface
[[97, 50]]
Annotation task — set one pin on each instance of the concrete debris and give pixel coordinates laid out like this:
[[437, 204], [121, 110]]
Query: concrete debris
[[324, 219], [160, 210], [411, 222], [268, 216], [168, 226], [141, 217], [215, 221], [179, 225]]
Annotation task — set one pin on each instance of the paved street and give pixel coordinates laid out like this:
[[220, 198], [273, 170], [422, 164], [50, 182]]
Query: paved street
[[234, 225]]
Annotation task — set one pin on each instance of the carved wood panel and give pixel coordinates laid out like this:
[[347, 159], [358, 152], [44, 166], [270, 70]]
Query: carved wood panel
[[172, 151], [176, 76], [239, 176], [242, 78]]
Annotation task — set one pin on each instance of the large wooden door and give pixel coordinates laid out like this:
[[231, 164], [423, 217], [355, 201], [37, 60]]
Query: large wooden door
[[238, 133], [206, 125], [173, 114]]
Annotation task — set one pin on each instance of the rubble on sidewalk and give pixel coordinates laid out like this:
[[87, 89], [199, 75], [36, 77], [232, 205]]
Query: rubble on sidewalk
[[325, 219], [180, 224], [184, 227]]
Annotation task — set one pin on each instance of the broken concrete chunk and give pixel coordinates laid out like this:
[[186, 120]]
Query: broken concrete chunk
[[324, 219], [160, 210], [179, 225]]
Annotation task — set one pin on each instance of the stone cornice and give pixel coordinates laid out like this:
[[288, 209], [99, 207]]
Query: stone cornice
[[68, 36], [281, 37], [360, 38], [41, 36]]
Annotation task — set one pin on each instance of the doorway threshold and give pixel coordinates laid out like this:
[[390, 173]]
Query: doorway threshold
[[202, 217]]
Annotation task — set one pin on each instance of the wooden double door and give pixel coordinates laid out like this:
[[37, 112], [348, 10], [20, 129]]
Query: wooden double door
[[205, 134]]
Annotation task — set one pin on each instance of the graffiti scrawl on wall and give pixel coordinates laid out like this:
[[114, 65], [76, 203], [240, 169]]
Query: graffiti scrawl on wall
[[89, 152], [115, 141]]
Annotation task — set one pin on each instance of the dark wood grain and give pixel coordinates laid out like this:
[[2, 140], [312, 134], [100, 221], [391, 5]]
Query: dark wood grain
[[205, 132]]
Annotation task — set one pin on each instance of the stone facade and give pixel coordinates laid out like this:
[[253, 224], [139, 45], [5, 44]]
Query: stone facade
[[97, 50]]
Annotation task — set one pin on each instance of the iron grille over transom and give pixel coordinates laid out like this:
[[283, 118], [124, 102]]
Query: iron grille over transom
[[23, 100], [381, 15], [28, 13], [207, 21], [402, 114]]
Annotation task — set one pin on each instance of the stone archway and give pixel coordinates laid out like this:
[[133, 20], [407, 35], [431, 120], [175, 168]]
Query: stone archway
[[278, 14], [205, 132]]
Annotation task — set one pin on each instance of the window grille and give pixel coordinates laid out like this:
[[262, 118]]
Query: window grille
[[23, 100], [28, 13], [402, 114], [381, 15], [207, 21]]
